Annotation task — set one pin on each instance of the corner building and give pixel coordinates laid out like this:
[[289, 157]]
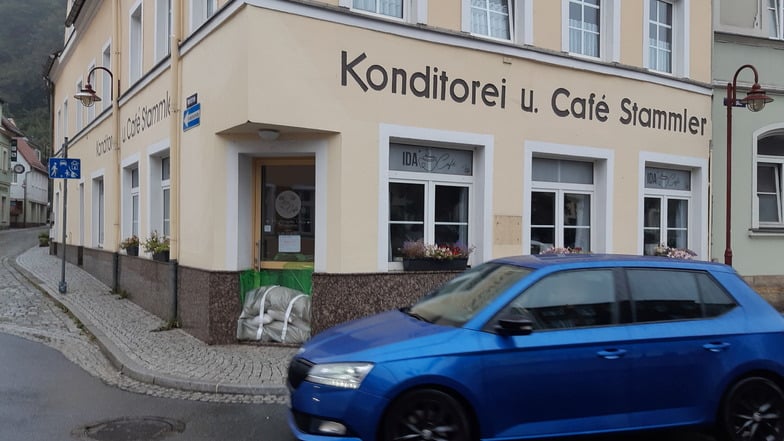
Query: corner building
[[318, 136]]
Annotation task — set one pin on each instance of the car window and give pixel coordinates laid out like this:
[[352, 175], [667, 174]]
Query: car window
[[460, 299], [569, 299], [667, 295], [715, 300]]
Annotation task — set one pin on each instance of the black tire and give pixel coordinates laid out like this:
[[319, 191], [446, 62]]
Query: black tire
[[753, 410], [426, 414]]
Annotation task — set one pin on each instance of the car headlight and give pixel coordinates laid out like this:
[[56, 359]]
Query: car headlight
[[343, 375]]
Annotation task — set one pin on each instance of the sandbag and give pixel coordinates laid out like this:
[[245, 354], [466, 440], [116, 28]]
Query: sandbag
[[275, 313]]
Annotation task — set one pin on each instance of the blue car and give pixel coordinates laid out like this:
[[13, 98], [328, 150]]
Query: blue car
[[551, 345]]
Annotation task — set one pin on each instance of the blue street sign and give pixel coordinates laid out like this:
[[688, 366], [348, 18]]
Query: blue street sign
[[191, 117], [69, 168]]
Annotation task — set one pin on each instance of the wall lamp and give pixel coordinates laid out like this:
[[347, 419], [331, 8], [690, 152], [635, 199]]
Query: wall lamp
[[755, 101], [268, 134], [87, 95]]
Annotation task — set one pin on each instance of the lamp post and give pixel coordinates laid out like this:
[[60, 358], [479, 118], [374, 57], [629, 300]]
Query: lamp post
[[87, 97], [755, 101]]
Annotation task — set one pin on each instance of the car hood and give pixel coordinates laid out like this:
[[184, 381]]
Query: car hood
[[378, 336]]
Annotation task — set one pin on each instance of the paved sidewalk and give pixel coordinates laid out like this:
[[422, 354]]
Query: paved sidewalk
[[133, 340]]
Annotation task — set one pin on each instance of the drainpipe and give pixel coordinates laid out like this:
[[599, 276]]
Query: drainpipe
[[116, 74], [175, 130]]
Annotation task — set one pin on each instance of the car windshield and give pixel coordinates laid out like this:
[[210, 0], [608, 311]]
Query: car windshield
[[460, 299]]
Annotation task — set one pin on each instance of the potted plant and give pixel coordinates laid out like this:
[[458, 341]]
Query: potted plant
[[419, 256], [563, 250], [130, 245], [157, 245], [43, 239], [675, 253]]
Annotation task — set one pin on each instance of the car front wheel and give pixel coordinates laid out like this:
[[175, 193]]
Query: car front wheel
[[754, 411], [426, 414]]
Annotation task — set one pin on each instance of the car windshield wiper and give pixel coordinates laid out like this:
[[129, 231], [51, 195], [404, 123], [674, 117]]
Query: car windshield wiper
[[407, 310]]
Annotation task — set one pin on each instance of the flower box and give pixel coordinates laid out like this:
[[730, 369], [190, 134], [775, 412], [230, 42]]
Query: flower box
[[458, 264], [132, 250], [160, 256]]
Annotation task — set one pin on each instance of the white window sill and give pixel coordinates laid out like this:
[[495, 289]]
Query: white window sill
[[767, 232]]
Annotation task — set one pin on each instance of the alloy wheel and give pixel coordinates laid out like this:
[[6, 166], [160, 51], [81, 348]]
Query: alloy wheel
[[754, 411], [426, 415]]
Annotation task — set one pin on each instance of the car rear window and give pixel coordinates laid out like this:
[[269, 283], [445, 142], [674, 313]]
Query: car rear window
[[667, 295]]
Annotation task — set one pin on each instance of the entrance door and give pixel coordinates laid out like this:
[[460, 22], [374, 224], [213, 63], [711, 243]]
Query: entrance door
[[285, 213]]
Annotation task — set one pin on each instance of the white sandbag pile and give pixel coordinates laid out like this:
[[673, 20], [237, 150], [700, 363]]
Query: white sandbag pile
[[275, 313]]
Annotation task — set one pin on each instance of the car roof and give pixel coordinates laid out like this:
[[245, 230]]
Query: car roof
[[581, 260]]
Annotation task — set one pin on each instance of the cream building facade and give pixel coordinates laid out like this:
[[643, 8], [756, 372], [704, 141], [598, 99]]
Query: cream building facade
[[321, 135]]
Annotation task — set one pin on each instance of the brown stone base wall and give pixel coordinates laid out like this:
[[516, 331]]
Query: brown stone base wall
[[149, 284], [209, 304], [769, 287], [99, 263], [338, 298]]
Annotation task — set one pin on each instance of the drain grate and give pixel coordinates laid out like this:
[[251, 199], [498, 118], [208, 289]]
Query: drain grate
[[148, 428]]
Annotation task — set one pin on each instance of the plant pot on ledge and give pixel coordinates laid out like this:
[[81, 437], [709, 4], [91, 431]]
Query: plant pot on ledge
[[161, 256], [132, 251], [435, 264]]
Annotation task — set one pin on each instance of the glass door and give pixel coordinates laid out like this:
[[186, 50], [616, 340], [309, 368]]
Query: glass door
[[285, 213]]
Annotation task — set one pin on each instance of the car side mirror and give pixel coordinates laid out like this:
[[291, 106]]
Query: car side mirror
[[514, 326]]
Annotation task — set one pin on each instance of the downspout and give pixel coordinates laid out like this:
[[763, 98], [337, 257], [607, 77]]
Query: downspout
[[116, 74], [175, 130]]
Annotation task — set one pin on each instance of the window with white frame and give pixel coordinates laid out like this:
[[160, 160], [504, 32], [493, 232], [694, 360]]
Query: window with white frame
[[79, 108], [776, 19], [770, 181], [562, 194], [131, 200], [429, 196], [98, 212], [665, 35], [60, 133], [166, 194], [660, 35], [666, 209], [413, 11], [64, 133], [136, 44], [390, 8], [159, 200], [106, 82], [201, 11], [163, 20], [492, 18], [584, 24]]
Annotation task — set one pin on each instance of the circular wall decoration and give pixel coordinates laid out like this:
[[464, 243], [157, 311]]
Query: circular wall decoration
[[19, 168], [288, 204]]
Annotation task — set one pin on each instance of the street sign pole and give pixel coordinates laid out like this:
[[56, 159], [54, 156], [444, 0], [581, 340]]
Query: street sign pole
[[63, 288]]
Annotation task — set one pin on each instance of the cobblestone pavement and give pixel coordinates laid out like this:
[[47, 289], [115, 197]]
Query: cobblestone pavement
[[124, 345]]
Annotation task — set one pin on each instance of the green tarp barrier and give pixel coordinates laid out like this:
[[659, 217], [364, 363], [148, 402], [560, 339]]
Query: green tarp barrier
[[297, 277]]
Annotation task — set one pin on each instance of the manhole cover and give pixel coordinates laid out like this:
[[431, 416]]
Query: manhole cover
[[131, 429]]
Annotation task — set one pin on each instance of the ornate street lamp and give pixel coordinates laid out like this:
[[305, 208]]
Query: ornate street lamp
[[755, 101], [87, 95]]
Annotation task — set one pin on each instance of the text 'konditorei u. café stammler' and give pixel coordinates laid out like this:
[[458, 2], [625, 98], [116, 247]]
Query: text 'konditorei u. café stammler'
[[434, 83]]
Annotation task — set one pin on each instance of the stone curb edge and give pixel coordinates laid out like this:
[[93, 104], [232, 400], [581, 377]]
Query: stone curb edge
[[128, 367]]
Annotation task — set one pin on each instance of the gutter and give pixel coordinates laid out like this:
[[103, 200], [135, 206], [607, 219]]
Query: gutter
[[76, 8]]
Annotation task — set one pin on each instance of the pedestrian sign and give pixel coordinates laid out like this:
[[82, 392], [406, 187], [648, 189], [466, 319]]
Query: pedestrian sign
[[65, 168]]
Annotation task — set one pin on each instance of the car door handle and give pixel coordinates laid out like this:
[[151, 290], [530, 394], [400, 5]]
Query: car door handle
[[612, 354], [716, 346]]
